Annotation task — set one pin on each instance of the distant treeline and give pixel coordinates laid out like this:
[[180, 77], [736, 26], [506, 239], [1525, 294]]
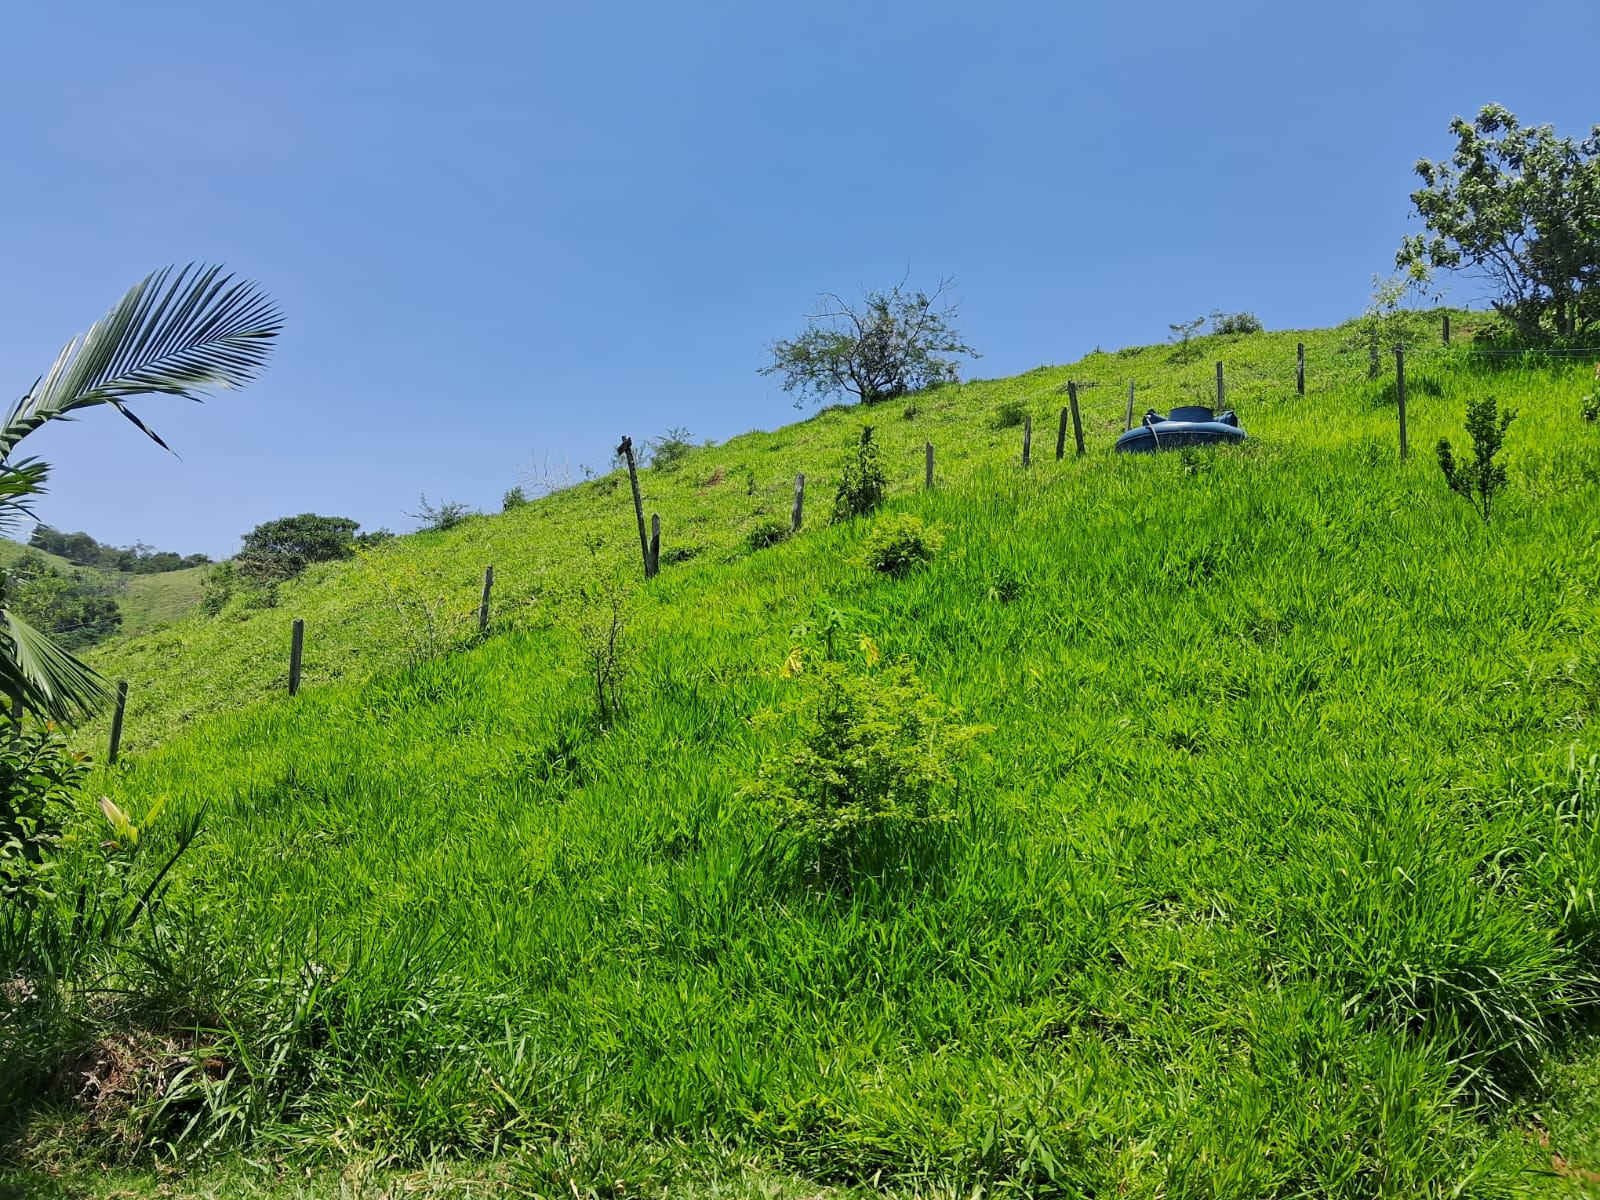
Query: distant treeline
[[137, 559]]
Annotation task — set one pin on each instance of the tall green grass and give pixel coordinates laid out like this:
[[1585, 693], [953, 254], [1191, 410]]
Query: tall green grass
[[1276, 875]]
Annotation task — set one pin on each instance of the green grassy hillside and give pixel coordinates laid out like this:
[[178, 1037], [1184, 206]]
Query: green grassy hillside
[[1274, 873], [147, 601]]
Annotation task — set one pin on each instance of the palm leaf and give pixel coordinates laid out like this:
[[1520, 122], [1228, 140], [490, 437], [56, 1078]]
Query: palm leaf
[[19, 483], [48, 680], [177, 332]]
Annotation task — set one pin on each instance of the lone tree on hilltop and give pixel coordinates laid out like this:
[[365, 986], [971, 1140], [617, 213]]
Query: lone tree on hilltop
[[1521, 206], [888, 344]]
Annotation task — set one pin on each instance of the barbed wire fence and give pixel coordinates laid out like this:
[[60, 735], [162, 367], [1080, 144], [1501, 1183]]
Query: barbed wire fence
[[1213, 383]]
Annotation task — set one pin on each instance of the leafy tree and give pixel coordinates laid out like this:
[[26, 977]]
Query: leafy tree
[[1521, 206], [73, 608], [889, 344], [1482, 479], [85, 551], [177, 332], [279, 549]]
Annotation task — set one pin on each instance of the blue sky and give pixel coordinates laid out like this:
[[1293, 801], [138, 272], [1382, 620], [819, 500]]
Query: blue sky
[[505, 231]]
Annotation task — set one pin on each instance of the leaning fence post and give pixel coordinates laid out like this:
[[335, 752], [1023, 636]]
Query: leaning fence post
[[1400, 395], [652, 566], [1300, 368], [625, 448], [116, 722], [799, 502], [1222, 391], [297, 642], [1128, 424], [1061, 435], [927, 466], [1027, 439], [483, 606], [1445, 330], [1077, 422]]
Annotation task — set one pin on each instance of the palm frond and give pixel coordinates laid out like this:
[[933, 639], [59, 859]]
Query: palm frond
[[20, 482], [50, 681], [178, 332]]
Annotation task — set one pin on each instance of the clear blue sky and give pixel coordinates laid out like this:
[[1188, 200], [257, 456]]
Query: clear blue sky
[[502, 230]]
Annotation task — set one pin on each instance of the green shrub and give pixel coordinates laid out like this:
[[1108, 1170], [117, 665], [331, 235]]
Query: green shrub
[[513, 499], [1482, 479], [864, 484], [1589, 406], [1008, 415], [1239, 322], [871, 764], [768, 532], [901, 543], [668, 451], [38, 779], [447, 514], [219, 584]]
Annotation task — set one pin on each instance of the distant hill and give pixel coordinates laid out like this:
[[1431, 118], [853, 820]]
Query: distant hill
[[147, 601]]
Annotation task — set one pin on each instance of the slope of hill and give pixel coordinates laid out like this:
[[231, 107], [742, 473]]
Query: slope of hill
[[147, 601], [1275, 872]]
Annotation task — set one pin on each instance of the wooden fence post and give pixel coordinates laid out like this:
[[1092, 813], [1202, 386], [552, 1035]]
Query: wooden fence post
[[1300, 368], [799, 502], [1222, 391], [1400, 395], [297, 643], [1128, 424], [1027, 439], [625, 448], [1077, 422], [483, 606], [1061, 436], [927, 466], [1445, 330], [116, 722], [652, 566]]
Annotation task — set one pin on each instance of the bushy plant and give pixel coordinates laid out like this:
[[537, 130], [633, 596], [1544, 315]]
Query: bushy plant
[[863, 485], [217, 588], [668, 451], [447, 514], [901, 543], [1483, 478], [1183, 333], [38, 779], [1008, 414], [513, 499], [1589, 406], [767, 532], [872, 761], [278, 550], [1239, 322]]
